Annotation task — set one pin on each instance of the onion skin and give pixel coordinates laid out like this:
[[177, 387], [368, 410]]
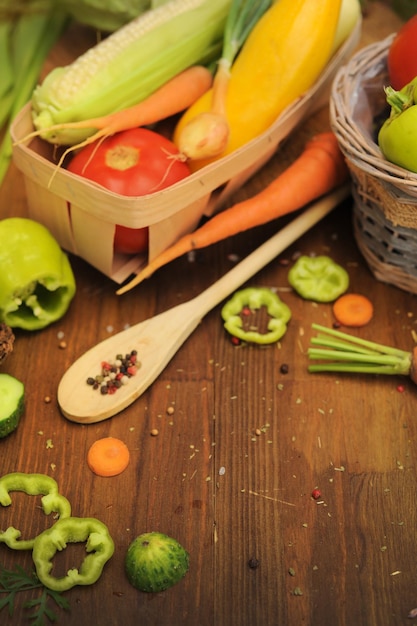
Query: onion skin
[[203, 137]]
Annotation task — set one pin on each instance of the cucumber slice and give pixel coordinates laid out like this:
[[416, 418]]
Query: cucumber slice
[[12, 394]]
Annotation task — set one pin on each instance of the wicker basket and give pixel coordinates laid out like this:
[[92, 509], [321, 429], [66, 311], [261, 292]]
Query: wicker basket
[[385, 196], [82, 215]]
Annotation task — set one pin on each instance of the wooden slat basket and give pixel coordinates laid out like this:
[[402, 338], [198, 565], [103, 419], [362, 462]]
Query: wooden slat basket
[[83, 215], [385, 195]]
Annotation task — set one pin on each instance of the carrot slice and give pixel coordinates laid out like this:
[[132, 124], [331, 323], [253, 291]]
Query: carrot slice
[[353, 309], [108, 456]]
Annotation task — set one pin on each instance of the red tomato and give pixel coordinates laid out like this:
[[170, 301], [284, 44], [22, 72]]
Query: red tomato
[[131, 163], [402, 55]]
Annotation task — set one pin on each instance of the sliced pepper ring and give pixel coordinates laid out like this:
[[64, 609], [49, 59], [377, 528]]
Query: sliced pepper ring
[[99, 547], [33, 485], [318, 278], [255, 298]]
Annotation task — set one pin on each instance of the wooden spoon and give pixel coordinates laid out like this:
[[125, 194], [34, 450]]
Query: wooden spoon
[[158, 338]]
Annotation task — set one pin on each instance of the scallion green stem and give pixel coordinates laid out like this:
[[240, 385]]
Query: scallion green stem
[[341, 352], [243, 16], [28, 40]]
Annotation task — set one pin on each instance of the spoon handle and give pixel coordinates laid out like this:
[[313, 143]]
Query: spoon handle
[[158, 338], [265, 253]]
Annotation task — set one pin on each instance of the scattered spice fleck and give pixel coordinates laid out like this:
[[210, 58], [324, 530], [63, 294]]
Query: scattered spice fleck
[[222, 471], [291, 571], [400, 388], [284, 369], [253, 563], [154, 432], [60, 335], [47, 399], [316, 494], [170, 410], [397, 571], [412, 614], [297, 592], [62, 345], [258, 432], [49, 444]]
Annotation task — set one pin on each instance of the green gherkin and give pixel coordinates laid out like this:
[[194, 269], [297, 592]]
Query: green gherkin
[[154, 562]]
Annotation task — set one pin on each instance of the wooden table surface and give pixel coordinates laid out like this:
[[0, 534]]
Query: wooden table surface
[[226, 493]]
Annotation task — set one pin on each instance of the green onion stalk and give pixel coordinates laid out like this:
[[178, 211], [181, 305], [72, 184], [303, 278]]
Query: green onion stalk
[[25, 42], [337, 351], [206, 135]]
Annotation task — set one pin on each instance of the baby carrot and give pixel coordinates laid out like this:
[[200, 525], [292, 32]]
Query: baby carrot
[[108, 456], [318, 170], [174, 96], [353, 309]]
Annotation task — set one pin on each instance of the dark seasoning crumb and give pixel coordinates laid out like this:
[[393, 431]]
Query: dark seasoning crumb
[[115, 374], [6, 341]]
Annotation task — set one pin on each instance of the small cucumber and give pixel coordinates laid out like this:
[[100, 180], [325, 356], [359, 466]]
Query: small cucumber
[[154, 562], [12, 394]]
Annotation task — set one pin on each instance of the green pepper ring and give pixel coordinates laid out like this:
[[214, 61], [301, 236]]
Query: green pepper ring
[[31, 484], [318, 278], [255, 298], [99, 546]]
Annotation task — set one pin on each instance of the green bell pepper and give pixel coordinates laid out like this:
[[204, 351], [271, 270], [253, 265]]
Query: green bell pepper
[[99, 546], [254, 298], [34, 485], [36, 280], [397, 137], [318, 278]]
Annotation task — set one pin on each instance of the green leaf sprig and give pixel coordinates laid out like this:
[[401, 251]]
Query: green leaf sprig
[[17, 580]]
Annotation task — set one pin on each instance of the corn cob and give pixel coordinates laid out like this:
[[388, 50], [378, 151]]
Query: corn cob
[[129, 65]]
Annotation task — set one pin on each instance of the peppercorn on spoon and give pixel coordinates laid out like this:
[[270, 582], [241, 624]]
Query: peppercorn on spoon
[[157, 339]]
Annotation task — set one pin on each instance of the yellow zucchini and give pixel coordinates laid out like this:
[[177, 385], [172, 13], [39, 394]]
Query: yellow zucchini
[[282, 58]]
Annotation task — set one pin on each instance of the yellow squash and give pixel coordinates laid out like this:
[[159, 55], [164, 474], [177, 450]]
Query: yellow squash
[[282, 58]]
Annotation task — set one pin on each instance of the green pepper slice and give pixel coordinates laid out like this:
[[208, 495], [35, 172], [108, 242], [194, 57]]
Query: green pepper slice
[[36, 279], [318, 278], [99, 548], [34, 485], [255, 298]]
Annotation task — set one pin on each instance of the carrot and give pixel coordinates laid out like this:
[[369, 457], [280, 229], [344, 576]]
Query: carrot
[[173, 97], [319, 169], [353, 309], [108, 456]]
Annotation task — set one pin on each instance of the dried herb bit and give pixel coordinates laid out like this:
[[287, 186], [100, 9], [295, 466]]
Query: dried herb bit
[[14, 581], [341, 352], [6, 341]]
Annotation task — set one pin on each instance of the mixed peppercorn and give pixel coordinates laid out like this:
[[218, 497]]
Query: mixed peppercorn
[[115, 374]]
